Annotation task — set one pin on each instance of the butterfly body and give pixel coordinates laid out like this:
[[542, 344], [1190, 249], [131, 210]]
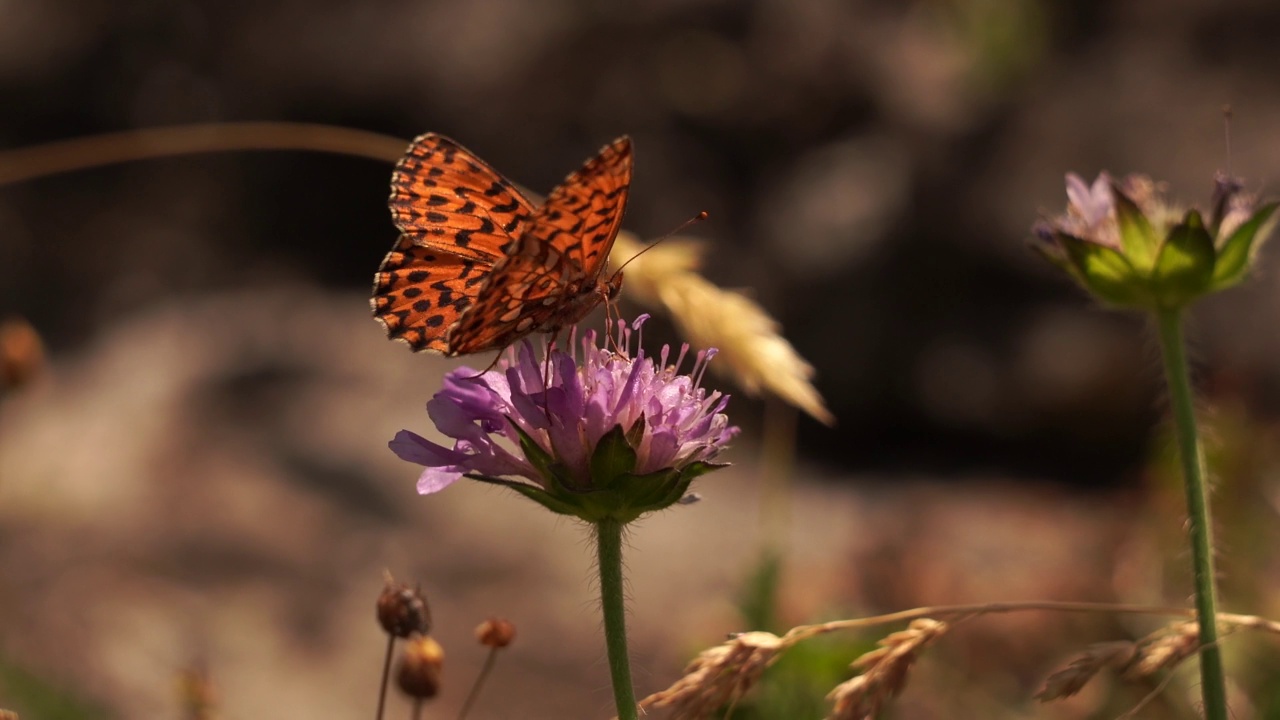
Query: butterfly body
[[477, 266]]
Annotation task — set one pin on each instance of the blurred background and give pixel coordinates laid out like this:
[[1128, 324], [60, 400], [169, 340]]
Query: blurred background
[[193, 463]]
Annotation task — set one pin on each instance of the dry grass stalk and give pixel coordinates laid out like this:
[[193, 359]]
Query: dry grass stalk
[[1164, 649], [718, 676], [1132, 661], [1071, 679], [751, 351], [884, 672]]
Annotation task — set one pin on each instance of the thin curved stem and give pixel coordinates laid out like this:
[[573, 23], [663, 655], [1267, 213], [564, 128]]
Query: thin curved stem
[[98, 150], [386, 673], [613, 603], [1212, 683], [804, 632], [478, 684]]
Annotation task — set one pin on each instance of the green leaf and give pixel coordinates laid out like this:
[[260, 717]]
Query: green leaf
[[1237, 250], [540, 459], [1185, 264], [758, 598], [698, 469], [652, 491], [547, 500], [1138, 239], [613, 457], [1106, 273]]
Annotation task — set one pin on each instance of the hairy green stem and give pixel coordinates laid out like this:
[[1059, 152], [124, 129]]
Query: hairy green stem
[[1212, 684], [613, 602]]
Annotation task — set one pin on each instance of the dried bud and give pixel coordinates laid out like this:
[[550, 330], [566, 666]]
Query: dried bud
[[418, 674], [496, 632], [8, 715], [402, 610], [21, 353]]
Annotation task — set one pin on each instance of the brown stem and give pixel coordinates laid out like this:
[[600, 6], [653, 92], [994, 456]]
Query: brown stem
[[479, 683], [98, 150], [386, 673], [804, 632]]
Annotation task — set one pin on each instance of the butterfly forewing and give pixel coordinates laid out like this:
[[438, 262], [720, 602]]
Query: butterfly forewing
[[583, 215], [451, 200], [551, 278], [457, 217]]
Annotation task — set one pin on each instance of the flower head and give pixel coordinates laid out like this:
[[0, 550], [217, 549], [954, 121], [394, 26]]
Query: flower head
[[1128, 246], [609, 435]]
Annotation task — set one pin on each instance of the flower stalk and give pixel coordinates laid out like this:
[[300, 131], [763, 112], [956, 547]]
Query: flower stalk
[[594, 432], [1129, 247], [613, 604], [1191, 454]]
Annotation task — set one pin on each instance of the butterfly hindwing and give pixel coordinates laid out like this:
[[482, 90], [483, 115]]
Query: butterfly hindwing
[[419, 293]]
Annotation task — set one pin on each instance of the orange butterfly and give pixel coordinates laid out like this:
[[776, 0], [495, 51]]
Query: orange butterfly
[[477, 266]]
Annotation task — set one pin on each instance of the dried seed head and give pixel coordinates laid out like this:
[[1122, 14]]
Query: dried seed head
[[1070, 680], [21, 353], [751, 351], [402, 610], [496, 632], [884, 672], [718, 676], [1164, 649], [418, 674]]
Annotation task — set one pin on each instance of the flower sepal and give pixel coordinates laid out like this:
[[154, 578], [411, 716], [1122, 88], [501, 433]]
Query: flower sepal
[[1184, 265], [1105, 272], [1139, 240], [1236, 252], [617, 493]]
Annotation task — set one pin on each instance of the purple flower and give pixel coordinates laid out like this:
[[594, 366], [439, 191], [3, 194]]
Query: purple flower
[[1090, 209], [1130, 247], [610, 435]]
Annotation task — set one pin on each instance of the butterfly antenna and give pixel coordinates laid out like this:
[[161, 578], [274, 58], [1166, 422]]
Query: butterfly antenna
[[691, 221]]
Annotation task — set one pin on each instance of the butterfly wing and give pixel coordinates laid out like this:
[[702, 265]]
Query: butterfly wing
[[551, 278], [458, 217]]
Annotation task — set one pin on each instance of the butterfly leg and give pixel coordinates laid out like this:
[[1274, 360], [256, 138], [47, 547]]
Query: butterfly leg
[[611, 313], [551, 348], [491, 366]]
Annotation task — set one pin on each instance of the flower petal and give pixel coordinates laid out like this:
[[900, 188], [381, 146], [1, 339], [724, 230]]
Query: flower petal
[[414, 448]]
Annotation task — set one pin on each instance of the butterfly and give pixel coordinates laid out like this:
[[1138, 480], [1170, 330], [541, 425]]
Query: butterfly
[[478, 266]]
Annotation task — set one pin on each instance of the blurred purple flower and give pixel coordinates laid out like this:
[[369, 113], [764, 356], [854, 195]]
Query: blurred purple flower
[[508, 422], [1090, 208], [1130, 247]]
